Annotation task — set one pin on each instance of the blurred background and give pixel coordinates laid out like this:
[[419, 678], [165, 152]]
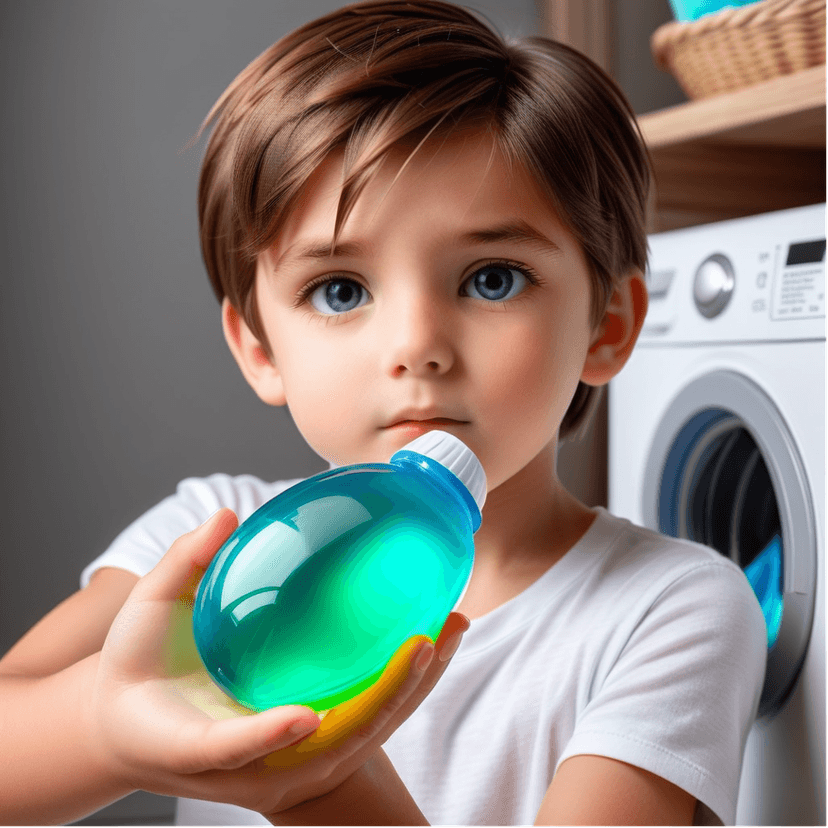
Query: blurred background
[[115, 381]]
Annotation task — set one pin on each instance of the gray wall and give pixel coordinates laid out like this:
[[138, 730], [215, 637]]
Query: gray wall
[[115, 379], [116, 382], [632, 23]]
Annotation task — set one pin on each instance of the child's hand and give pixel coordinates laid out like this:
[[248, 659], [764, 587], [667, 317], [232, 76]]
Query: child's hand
[[165, 727]]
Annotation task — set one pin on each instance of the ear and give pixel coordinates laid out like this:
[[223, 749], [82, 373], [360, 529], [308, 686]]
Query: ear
[[260, 372], [616, 334]]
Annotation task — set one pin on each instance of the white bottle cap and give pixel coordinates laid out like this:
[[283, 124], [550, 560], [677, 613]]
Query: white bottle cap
[[457, 457]]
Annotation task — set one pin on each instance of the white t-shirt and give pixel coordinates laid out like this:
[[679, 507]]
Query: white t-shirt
[[636, 646]]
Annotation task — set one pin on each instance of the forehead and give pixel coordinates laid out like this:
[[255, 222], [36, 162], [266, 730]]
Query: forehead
[[444, 185]]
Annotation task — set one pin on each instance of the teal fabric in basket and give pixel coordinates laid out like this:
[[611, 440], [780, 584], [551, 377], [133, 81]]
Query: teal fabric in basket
[[686, 10]]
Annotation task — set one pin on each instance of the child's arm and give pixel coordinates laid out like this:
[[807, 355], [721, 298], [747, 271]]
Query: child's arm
[[140, 714], [47, 756], [587, 790], [373, 795], [73, 630], [51, 770], [597, 790]]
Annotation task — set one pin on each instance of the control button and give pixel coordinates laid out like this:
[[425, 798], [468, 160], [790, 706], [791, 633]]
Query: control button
[[713, 285], [658, 283]]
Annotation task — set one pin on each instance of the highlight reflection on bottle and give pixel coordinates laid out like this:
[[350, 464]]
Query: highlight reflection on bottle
[[313, 594]]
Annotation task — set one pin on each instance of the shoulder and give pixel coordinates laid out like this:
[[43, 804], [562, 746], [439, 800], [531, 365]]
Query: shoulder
[[644, 565], [677, 645], [196, 498], [141, 544], [657, 594], [628, 537], [242, 493]]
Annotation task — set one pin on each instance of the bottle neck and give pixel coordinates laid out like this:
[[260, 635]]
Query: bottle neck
[[446, 481]]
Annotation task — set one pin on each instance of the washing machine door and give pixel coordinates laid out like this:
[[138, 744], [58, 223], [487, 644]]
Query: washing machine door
[[724, 471]]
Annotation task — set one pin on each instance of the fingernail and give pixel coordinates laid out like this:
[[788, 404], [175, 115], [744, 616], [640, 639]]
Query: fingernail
[[451, 646], [299, 731], [424, 657], [295, 733]]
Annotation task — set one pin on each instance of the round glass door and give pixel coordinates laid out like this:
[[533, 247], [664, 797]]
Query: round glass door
[[724, 471]]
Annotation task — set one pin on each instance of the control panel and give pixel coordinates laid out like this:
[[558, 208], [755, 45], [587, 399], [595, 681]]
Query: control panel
[[760, 278], [799, 280]]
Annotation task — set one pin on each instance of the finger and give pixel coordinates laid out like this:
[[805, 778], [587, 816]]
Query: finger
[[403, 705], [377, 712], [387, 703], [399, 679], [232, 743], [451, 635], [178, 572], [405, 682]]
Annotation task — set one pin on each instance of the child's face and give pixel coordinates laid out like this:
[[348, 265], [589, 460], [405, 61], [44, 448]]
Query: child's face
[[424, 321]]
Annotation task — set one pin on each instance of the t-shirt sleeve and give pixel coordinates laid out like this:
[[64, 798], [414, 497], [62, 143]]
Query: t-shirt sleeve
[[681, 695], [142, 544]]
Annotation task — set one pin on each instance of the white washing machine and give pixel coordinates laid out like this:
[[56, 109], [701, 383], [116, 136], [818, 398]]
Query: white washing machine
[[717, 434]]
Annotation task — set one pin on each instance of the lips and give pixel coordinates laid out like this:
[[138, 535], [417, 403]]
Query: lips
[[435, 421], [423, 418]]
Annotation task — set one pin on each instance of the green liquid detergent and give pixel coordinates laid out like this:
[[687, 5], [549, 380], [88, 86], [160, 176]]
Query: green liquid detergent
[[308, 600]]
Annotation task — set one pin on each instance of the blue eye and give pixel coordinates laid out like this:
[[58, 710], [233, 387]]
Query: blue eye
[[338, 296], [496, 282]]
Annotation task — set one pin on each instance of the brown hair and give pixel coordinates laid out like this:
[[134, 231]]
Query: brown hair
[[378, 74]]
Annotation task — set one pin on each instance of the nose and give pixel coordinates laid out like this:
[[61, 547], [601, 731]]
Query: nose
[[418, 339]]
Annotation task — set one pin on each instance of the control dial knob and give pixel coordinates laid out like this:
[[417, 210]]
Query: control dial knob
[[713, 285]]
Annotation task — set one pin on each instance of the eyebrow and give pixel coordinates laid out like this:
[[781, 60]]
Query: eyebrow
[[317, 250], [516, 231]]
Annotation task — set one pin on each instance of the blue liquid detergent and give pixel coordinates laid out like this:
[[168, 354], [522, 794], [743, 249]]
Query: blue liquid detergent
[[765, 576], [311, 596]]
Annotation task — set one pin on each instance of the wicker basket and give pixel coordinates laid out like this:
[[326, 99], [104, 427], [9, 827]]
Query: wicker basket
[[739, 47]]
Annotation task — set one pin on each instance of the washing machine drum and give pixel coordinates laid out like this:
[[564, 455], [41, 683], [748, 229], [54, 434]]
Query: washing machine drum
[[724, 471]]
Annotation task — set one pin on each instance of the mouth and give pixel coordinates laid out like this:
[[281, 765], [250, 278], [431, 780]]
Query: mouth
[[425, 424]]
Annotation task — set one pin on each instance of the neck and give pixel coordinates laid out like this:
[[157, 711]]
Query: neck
[[530, 521]]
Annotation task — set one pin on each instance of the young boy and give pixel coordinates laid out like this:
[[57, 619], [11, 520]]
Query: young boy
[[410, 225]]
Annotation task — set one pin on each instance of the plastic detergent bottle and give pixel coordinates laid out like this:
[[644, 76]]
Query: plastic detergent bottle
[[308, 600]]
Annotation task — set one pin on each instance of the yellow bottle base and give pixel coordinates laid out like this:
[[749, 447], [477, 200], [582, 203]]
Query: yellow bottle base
[[340, 723]]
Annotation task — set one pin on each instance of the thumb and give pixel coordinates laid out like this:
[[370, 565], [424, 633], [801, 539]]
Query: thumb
[[178, 572], [232, 743]]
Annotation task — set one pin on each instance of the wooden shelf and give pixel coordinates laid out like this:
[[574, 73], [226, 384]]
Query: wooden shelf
[[741, 153]]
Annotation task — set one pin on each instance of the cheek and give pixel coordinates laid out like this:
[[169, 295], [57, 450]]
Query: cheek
[[324, 384], [533, 357], [318, 382]]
